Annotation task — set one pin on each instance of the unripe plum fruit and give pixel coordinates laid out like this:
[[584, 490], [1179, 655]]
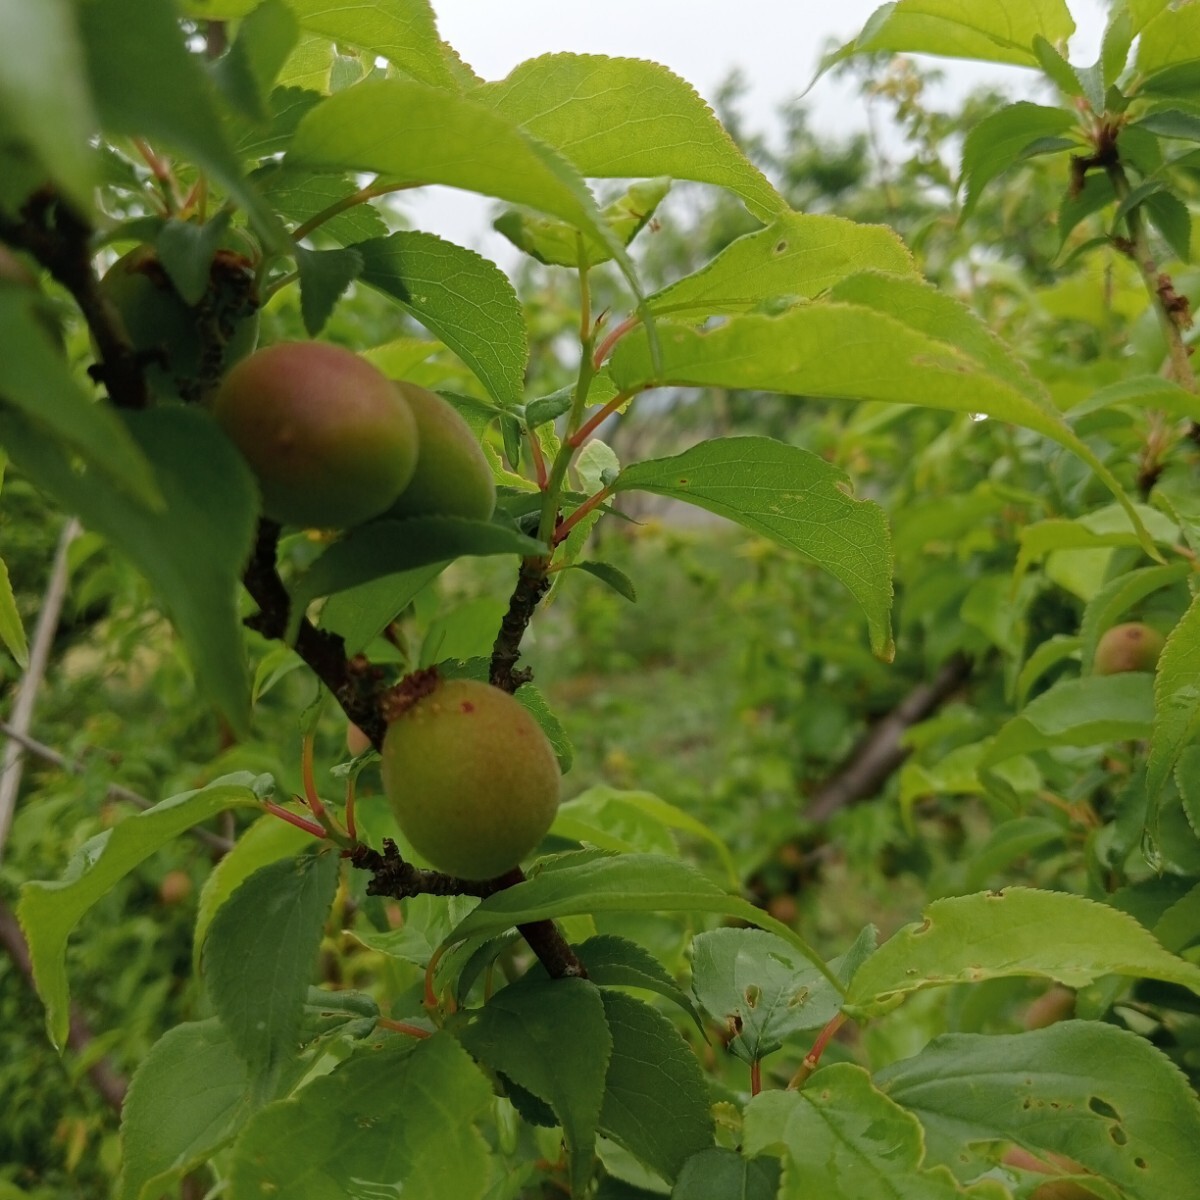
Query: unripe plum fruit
[[328, 436], [1129, 647], [472, 780], [453, 478], [186, 348]]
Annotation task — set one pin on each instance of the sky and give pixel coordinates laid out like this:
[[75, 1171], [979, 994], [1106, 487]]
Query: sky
[[776, 44]]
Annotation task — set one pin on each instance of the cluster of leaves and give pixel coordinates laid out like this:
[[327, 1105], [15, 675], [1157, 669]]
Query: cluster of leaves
[[452, 1064]]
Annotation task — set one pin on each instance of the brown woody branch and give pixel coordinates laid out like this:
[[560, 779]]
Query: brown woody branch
[[394, 877], [878, 752], [60, 240], [532, 585]]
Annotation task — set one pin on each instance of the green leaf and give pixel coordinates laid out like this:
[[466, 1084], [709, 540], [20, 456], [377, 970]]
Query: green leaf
[[721, 1174], [386, 547], [49, 910], [1176, 700], [1078, 712], [1115, 45], [260, 954], [857, 352], [1051, 652], [791, 496], [36, 381], [1057, 68], [402, 31], [1170, 216], [461, 297], [550, 1037], [419, 134], [655, 1096], [1097, 193], [1171, 39], [753, 986], [192, 552], [1143, 391], [186, 250], [147, 84], [1092, 1092], [797, 256], [266, 841], [186, 1100], [613, 961], [12, 632], [585, 882], [359, 614], [628, 118], [1017, 931], [247, 72], [396, 1119], [992, 32], [558, 244], [1142, 12], [626, 817], [1000, 140], [613, 576], [843, 1139], [324, 277], [44, 94], [1116, 597], [299, 195]]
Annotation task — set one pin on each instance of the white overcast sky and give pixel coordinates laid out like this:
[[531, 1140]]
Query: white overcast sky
[[776, 43]]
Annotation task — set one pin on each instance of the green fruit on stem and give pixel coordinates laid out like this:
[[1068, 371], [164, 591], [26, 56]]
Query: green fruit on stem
[[453, 478], [1129, 647], [185, 348], [330, 439], [472, 780]]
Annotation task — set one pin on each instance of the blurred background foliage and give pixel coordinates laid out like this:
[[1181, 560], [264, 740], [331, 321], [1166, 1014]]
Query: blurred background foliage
[[736, 688]]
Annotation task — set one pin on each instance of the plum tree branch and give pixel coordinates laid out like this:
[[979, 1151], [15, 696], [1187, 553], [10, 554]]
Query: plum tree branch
[[39, 657], [60, 240], [878, 752]]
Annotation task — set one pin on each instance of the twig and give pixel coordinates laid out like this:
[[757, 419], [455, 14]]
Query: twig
[[353, 683], [878, 752], [532, 585], [60, 240], [39, 657], [111, 1086], [114, 791], [401, 880]]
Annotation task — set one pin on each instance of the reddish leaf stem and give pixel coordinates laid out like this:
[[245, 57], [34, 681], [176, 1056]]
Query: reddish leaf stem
[[539, 461], [402, 1027], [582, 511], [293, 819], [614, 335], [755, 1077], [813, 1058], [597, 419]]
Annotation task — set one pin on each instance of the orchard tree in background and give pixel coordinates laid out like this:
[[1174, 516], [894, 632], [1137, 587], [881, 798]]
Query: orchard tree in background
[[300, 423]]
